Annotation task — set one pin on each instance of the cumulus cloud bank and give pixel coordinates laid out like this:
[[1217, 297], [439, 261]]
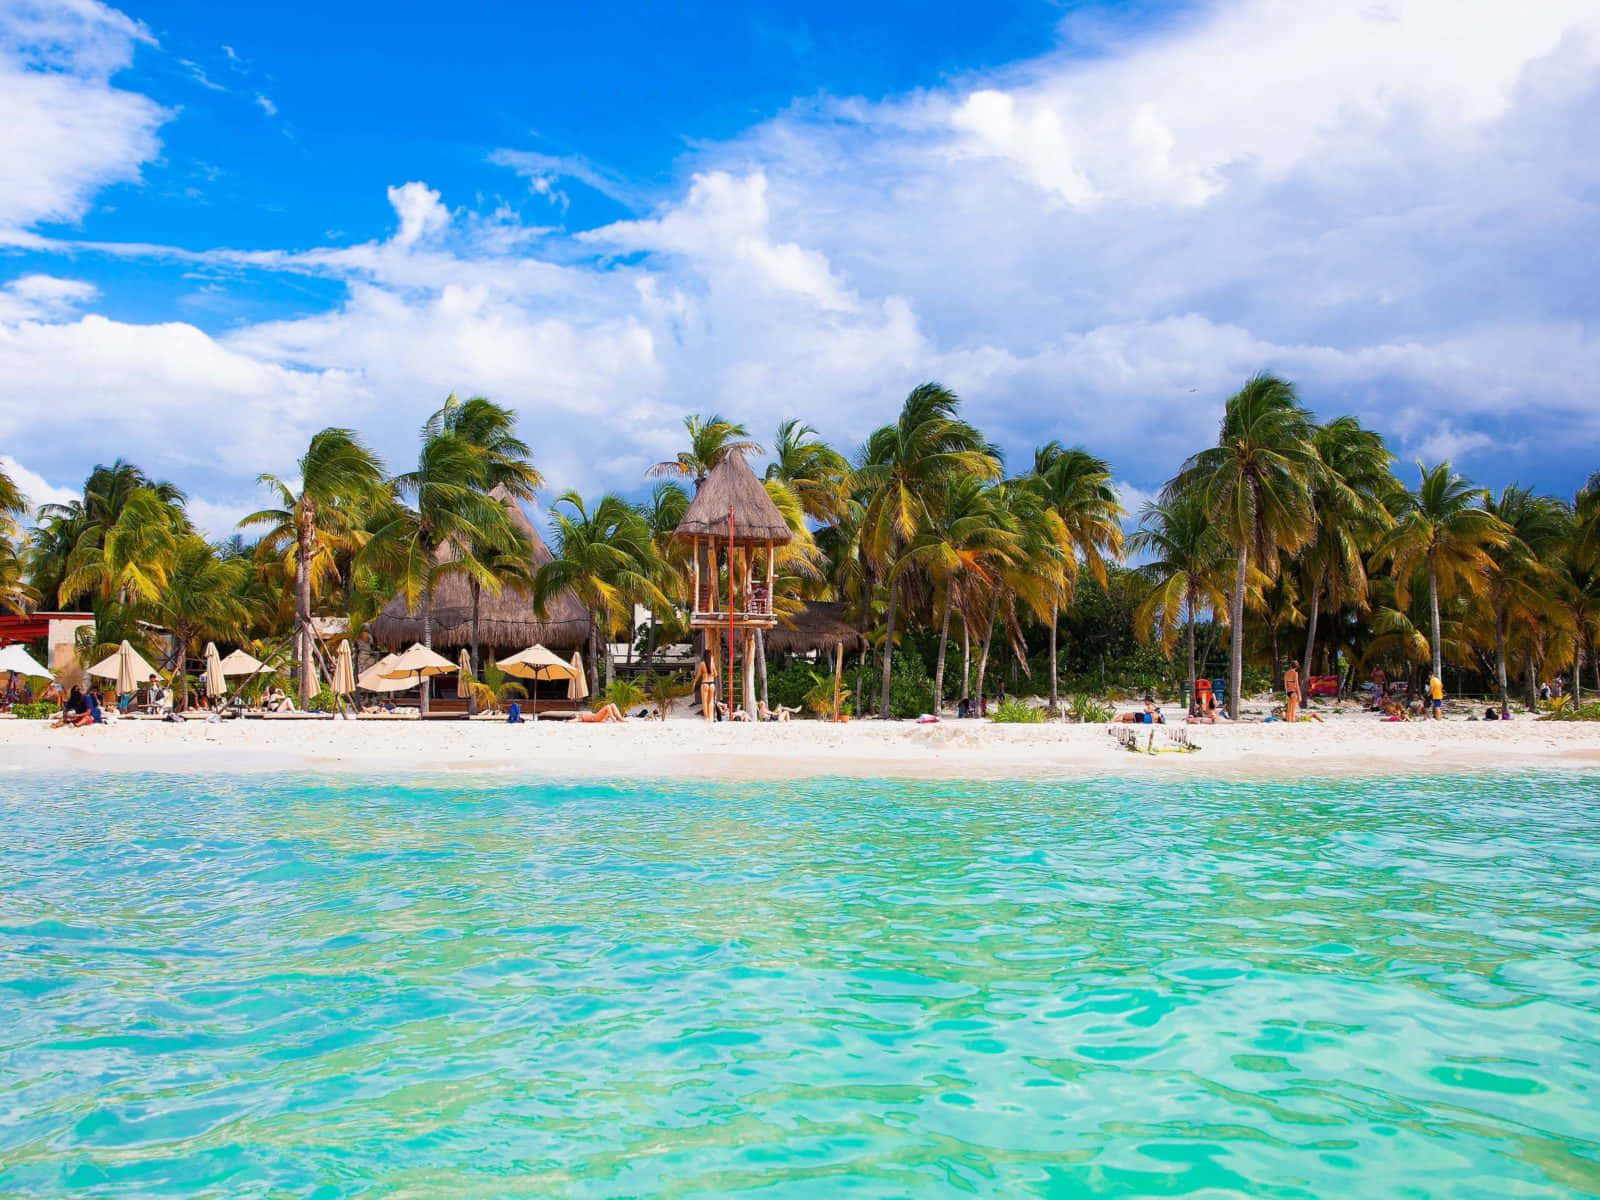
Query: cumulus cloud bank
[[1382, 201]]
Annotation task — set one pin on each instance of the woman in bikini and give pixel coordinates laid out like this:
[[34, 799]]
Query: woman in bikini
[[705, 675]]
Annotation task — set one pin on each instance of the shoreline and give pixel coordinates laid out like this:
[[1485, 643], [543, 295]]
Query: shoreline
[[678, 749]]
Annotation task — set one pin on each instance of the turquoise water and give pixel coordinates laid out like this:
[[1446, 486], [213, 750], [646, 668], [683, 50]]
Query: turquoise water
[[304, 987]]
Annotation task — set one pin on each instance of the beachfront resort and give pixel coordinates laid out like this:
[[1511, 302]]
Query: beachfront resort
[[829, 602]]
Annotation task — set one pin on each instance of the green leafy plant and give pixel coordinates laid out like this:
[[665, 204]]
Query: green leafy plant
[[1012, 711], [663, 689], [910, 689], [818, 698], [1562, 709], [39, 710], [624, 693], [1089, 711], [323, 702]]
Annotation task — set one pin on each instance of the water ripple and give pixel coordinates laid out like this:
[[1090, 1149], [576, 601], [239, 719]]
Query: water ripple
[[319, 987]]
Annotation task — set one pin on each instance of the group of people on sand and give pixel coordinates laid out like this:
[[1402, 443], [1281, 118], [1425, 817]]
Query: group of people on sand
[[713, 709]]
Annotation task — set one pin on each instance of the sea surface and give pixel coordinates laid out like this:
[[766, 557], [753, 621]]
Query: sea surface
[[321, 987]]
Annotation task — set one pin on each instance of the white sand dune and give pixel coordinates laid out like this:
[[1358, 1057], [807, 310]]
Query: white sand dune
[[1348, 744]]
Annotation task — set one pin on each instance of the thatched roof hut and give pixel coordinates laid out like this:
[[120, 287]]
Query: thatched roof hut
[[733, 485], [507, 620], [819, 625]]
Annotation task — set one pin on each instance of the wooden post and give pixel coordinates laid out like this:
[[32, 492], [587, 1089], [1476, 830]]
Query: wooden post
[[694, 603], [729, 670], [838, 680], [749, 673]]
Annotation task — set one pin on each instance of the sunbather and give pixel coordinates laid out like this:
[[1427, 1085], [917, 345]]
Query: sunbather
[[606, 712]]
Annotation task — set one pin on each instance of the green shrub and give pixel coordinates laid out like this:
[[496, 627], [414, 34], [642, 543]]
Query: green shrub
[[1564, 710], [324, 701], [624, 693], [39, 710], [819, 698], [1089, 711], [1012, 711], [910, 689], [789, 685]]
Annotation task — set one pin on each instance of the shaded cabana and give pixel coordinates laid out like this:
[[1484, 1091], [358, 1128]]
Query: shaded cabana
[[734, 532], [505, 622], [817, 627]]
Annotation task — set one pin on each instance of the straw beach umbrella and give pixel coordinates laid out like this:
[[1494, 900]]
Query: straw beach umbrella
[[417, 665], [127, 666], [578, 685], [537, 663], [215, 683], [463, 675], [344, 671], [241, 663], [373, 678]]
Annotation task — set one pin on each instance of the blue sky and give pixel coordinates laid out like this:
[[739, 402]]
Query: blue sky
[[225, 226]]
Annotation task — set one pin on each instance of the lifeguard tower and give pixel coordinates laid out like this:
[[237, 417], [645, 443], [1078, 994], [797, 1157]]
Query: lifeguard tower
[[734, 531]]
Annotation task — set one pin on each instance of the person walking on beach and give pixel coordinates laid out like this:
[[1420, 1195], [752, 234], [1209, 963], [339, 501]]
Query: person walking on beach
[[1435, 696], [705, 677], [1291, 691]]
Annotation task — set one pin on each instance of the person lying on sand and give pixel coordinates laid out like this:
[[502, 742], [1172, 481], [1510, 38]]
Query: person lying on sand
[[606, 712], [1149, 715]]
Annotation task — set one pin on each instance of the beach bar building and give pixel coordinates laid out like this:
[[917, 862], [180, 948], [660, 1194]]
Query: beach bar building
[[734, 532], [504, 623]]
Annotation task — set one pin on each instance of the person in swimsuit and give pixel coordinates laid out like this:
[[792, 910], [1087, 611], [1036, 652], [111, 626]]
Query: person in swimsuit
[[705, 676], [1291, 692], [601, 715]]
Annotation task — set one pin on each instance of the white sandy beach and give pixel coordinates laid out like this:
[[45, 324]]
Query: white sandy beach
[[1346, 744]]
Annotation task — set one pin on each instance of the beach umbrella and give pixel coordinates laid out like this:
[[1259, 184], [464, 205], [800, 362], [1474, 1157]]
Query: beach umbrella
[[373, 678], [17, 659], [344, 670], [464, 675], [215, 683], [241, 663], [127, 666], [536, 663], [578, 688], [417, 665]]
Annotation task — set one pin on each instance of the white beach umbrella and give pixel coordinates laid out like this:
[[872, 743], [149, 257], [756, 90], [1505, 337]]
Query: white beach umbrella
[[241, 663], [215, 683], [127, 666], [344, 670], [16, 658], [417, 665], [373, 678], [537, 663], [578, 689], [464, 675]]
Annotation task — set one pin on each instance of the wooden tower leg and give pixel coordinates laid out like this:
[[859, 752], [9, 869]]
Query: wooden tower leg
[[749, 674]]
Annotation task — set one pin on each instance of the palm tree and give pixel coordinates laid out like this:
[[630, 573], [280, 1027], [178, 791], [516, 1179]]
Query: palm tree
[[1578, 593], [1586, 516], [607, 558], [1350, 496], [16, 593], [199, 599], [710, 438], [1444, 527], [1186, 571], [1255, 485], [815, 474], [12, 504], [903, 468], [340, 483], [1077, 487], [508, 473], [1520, 578], [662, 514], [1031, 575]]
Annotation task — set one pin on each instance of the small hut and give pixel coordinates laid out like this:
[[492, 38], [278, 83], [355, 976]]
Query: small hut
[[817, 627], [506, 622], [734, 532]]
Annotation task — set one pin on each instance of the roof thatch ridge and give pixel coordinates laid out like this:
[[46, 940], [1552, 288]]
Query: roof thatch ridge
[[816, 625], [505, 621], [733, 485]]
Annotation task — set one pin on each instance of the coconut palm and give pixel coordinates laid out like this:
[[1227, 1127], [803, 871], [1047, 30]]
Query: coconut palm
[[1255, 486], [1444, 528], [1586, 515], [903, 468], [67, 537], [12, 504], [1186, 571], [340, 484], [1077, 487], [1031, 574], [1577, 591], [816, 474], [16, 594], [709, 439], [609, 560], [1351, 498], [125, 561], [1521, 580], [199, 599]]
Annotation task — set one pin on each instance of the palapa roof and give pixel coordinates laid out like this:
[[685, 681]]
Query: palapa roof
[[733, 485], [818, 625], [504, 620]]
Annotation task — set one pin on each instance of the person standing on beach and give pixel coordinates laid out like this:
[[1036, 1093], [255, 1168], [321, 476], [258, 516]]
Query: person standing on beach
[[1291, 691], [1435, 696], [705, 678]]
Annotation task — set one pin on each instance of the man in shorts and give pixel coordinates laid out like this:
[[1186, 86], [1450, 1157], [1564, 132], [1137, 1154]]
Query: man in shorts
[[1435, 696]]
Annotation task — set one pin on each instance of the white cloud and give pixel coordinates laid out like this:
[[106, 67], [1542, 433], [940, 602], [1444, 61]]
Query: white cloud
[[35, 488], [43, 298], [65, 132], [421, 215], [266, 105]]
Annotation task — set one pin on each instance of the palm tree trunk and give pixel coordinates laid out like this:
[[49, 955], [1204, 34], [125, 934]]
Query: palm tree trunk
[[888, 647], [1433, 617], [477, 590], [1236, 634], [966, 658], [1500, 657], [938, 669], [761, 666], [426, 686], [302, 610], [983, 658], [1190, 634], [1055, 674], [1577, 670], [1311, 633], [594, 659], [1533, 684]]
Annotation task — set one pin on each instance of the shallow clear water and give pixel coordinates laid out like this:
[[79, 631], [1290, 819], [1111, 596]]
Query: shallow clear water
[[306, 987]]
